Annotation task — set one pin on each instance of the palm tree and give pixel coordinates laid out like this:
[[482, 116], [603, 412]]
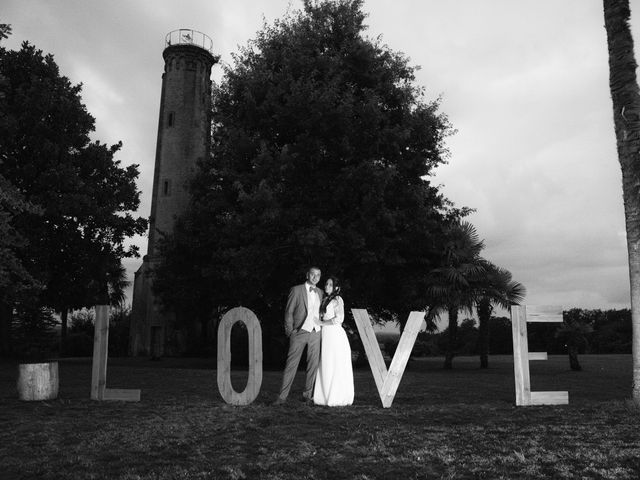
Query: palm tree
[[452, 286], [117, 283], [497, 288], [574, 332], [625, 95]]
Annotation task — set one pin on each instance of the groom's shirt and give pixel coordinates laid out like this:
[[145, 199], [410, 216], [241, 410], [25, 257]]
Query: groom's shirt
[[313, 309]]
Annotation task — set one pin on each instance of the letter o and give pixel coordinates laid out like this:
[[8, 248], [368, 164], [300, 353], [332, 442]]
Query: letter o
[[229, 395]]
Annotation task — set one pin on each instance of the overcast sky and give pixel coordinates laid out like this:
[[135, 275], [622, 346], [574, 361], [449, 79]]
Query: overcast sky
[[525, 83]]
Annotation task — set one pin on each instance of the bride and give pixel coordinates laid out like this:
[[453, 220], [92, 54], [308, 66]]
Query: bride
[[334, 380]]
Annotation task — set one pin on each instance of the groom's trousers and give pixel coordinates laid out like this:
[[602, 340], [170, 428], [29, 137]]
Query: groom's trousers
[[297, 341]]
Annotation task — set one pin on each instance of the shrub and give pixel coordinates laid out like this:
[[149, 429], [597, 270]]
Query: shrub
[[81, 332], [34, 333]]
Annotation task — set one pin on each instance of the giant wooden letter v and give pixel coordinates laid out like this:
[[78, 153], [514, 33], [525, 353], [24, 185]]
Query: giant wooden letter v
[[387, 382]]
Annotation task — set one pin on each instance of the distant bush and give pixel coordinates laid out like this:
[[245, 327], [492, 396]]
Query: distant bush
[[81, 331], [603, 331], [500, 336], [119, 323]]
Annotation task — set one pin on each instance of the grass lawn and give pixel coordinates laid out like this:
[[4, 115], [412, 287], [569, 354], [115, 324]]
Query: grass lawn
[[459, 424]]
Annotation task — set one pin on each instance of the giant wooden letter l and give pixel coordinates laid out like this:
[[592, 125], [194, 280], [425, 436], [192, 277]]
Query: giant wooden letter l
[[99, 390], [387, 382]]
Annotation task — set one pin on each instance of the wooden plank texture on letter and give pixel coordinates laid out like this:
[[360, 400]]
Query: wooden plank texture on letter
[[538, 356], [99, 390], [229, 395], [543, 313], [520, 355], [520, 315], [401, 357], [100, 352], [549, 398], [371, 347], [387, 382]]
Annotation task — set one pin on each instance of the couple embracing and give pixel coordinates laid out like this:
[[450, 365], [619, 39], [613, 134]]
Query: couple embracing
[[313, 319]]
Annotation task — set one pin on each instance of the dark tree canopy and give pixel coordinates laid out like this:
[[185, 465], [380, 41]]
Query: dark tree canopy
[[13, 274], [323, 147], [84, 196]]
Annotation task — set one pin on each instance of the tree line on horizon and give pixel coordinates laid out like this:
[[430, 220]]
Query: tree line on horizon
[[583, 331]]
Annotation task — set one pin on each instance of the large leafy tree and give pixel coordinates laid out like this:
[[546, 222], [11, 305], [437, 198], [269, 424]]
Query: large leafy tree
[[323, 147], [86, 198], [15, 279], [625, 95]]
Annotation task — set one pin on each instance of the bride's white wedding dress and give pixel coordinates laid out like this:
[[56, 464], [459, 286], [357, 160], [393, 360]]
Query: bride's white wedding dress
[[334, 380]]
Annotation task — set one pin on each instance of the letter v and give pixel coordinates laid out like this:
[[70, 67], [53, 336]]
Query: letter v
[[387, 382]]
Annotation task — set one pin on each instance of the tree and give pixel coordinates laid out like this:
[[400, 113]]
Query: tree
[[453, 285], [15, 280], [612, 331], [465, 281], [5, 31], [497, 288], [576, 327], [322, 153], [86, 198], [625, 96]]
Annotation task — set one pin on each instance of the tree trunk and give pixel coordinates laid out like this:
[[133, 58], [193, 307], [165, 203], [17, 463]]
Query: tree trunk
[[6, 314], [452, 339], [625, 95], [573, 358], [64, 315], [484, 316]]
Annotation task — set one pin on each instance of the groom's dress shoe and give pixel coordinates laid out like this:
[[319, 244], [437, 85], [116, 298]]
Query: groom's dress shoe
[[279, 401]]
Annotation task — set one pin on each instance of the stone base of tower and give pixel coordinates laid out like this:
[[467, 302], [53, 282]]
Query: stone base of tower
[[152, 330]]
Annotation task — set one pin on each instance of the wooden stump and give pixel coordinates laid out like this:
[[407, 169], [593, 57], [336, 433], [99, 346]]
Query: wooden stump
[[38, 381]]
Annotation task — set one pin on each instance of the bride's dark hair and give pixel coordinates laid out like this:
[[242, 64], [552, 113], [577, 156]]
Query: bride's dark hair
[[335, 293]]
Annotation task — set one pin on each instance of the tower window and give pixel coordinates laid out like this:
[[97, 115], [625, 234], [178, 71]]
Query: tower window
[[170, 119], [166, 188]]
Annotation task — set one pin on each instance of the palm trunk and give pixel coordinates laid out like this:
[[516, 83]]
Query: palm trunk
[[574, 364], [625, 95], [484, 316], [452, 339]]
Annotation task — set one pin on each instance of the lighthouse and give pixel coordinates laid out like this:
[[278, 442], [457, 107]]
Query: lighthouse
[[184, 130]]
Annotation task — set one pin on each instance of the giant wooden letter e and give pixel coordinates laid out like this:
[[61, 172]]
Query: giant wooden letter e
[[520, 315]]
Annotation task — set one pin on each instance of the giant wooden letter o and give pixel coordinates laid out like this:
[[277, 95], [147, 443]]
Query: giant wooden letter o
[[239, 314]]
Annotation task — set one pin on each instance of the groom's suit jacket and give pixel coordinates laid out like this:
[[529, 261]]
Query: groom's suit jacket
[[295, 312]]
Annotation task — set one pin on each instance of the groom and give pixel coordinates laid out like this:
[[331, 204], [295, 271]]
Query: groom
[[302, 326]]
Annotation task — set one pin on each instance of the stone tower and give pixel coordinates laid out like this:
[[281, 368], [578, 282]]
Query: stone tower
[[184, 128]]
